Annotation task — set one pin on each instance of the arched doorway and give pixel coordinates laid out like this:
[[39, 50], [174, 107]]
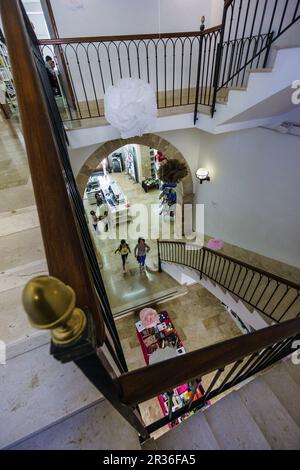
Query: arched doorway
[[150, 140], [130, 286]]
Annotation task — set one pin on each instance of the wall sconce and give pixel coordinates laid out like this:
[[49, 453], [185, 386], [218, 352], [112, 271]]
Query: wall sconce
[[203, 175]]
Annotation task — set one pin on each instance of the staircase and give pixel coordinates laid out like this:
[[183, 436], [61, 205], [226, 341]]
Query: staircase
[[266, 94], [259, 415], [263, 414]]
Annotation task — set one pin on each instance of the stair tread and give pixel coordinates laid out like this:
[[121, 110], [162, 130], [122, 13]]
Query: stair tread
[[168, 294], [261, 70], [90, 429], [274, 421], [37, 391], [233, 426], [192, 434], [285, 388], [293, 370]]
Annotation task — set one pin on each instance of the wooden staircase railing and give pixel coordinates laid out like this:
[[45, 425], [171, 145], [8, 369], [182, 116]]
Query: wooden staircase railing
[[218, 368]]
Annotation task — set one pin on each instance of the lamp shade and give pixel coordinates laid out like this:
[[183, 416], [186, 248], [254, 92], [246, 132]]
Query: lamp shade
[[130, 106]]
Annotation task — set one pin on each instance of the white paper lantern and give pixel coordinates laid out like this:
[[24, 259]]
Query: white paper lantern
[[130, 107]]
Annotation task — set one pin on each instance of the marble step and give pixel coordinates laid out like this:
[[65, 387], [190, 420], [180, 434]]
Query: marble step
[[233, 425], [261, 414], [147, 301], [98, 427], [270, 415], [18, 220], [192, 434], [38, 391], [293, 370], [285, 388], [15, 329]]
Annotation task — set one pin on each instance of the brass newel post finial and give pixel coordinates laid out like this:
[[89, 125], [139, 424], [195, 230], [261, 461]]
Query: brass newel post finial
[[50, 305], [202, 26]]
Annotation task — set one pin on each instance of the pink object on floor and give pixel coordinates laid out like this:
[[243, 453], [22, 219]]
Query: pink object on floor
[[182, 389], [149, 317], [215, 244]]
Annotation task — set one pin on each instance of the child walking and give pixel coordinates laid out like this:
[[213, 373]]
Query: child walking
[[124, 251], [95, 219], [141, 251]]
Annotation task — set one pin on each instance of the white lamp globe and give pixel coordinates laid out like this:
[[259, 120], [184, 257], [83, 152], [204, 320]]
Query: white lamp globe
[[130, 106]]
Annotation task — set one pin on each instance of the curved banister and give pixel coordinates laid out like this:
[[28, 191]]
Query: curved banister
[[241, 263], [126, 37], [148, 382]]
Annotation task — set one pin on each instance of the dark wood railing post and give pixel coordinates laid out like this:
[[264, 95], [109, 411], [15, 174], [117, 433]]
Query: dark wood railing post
[[198, 79], [63, 245], [270, 40], [219, 56], [203, 250], [159, 257]]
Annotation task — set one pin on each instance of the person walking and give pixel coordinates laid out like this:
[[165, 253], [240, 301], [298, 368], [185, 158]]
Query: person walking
[[95, 220], [141, 251], [124, 251]]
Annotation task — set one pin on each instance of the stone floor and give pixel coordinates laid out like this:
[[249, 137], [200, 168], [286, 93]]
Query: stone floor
[[199, 318], [21, 246]]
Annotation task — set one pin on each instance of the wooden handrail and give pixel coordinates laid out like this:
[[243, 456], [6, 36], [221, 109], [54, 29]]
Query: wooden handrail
[[277, 278], [148, 382], [63, 245], [126, 37]]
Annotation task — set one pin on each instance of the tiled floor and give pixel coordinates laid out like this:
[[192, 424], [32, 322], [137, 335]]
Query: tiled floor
[[199, 318]]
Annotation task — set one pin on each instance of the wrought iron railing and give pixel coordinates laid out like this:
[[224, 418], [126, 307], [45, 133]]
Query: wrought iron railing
[[257, 24], [168, 62], [275, 297], [185, 68]]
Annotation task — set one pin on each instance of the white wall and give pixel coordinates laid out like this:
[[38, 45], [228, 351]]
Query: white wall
[[216, 11], [79, 155], [253, 199], [187, 141], [112, 17]]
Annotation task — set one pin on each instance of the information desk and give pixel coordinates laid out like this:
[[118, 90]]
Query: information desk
[[115, 201], [160, 337], [117, 204]]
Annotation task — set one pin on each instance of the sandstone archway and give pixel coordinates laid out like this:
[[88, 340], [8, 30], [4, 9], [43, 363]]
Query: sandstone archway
[[150, 140]]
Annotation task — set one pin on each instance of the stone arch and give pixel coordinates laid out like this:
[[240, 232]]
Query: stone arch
[[150, 140]]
